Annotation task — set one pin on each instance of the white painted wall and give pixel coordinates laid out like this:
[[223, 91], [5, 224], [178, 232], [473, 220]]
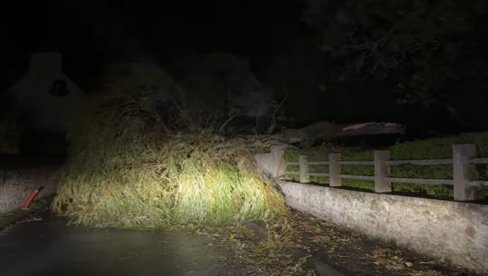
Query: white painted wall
[[31, 93]]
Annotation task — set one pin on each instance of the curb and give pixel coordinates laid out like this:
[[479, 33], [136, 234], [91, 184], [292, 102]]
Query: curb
[[19, 214]]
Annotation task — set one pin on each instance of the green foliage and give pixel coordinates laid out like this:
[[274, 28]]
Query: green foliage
[[128, 168], [419, 44], [435, 148]]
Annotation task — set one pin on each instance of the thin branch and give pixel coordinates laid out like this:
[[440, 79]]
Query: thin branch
[[272, 127], [221, 129]]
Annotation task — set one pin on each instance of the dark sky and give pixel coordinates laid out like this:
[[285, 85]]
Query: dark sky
[[217, 25], [91, 33]]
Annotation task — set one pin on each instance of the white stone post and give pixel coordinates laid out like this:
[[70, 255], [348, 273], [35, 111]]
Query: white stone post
[[381, 172], [461, 170], [304, 169], [335, 179], [279, 167]]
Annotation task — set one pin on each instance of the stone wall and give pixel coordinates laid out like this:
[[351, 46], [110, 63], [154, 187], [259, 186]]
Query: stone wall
[[449, 230], [17, 184]]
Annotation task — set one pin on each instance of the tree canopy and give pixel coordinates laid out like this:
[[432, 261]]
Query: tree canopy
[[422, 45]]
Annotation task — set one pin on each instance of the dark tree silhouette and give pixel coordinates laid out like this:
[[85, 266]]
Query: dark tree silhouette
[[424, 46]]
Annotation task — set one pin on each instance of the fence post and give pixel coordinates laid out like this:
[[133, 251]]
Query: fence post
[[381, 172], [277, 152], [335, 179], [304, 170], [461, 169]]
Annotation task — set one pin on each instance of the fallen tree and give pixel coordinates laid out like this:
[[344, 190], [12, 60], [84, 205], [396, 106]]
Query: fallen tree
[[323, 130], [130, 167]]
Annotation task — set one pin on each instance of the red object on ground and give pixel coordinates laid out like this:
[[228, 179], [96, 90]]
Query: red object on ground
[[31, 198]]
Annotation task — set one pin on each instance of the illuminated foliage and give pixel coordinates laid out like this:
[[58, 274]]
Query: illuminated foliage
[[131, 168]]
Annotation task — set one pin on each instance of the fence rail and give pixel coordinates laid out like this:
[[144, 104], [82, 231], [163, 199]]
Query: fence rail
[[356, 177], [427, 162], [479, 183], [478, 161], [295, 173], [356, 163], [326, 163], [319, 174], [422, 181], [464, 160]]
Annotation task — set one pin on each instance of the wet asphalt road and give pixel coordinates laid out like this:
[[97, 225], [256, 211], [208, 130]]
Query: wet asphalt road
[[49, 247]]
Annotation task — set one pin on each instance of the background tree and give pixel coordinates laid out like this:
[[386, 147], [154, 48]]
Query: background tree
[[424, 46]]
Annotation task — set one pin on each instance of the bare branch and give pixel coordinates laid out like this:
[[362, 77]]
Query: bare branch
[[234, 114], [277, 109]]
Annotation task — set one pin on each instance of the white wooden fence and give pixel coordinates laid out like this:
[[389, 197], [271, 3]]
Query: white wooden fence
[[464, 159]]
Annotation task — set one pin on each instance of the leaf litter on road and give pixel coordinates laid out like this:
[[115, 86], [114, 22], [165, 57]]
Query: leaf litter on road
[[286, 246]]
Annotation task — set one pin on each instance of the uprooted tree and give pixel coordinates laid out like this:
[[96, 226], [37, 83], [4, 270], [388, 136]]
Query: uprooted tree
[[133, 164], [224, 84]]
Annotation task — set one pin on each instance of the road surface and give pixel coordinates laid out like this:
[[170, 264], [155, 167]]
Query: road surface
[[47, 246]]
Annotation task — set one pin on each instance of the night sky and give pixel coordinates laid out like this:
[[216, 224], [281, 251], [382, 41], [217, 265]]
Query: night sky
[[246, 27], [92, 34]]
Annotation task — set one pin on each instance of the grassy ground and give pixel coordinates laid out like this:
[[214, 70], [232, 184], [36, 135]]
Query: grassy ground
[[435, 148]]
